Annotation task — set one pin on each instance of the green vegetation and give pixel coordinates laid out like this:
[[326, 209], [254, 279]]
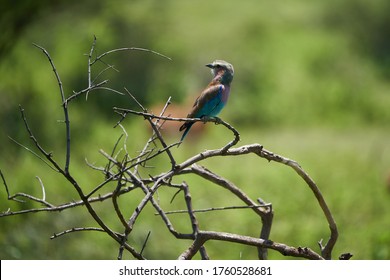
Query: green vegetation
[[312, 83]]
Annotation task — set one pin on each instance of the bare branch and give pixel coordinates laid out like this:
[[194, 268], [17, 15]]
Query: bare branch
[[204, 236], [146, 241], [34, 153], [55, 235], [236, 207], [90, 65], [4, 183], [64, 106], [136, 100], [129, 49], [88, 89], [43, 188]]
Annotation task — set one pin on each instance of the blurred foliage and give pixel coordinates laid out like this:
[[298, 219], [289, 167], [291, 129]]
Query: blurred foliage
[[300, 66]]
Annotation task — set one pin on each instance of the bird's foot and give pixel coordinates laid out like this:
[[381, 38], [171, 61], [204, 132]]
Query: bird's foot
[[205, 119], [217, 120]]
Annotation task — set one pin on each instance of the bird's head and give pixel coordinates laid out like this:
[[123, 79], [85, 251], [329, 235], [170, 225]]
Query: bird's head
[[223, 69]]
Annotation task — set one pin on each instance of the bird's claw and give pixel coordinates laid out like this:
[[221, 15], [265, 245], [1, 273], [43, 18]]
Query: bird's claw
[[216, 120]]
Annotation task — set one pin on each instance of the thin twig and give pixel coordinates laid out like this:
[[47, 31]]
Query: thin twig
[[34, 153], [135, 100], [4, 183], [214, 209], [146, 241], [48, 156], [64, 106], [43, 188], [89, 89], [129, 49], [55, 235], [90, 65]]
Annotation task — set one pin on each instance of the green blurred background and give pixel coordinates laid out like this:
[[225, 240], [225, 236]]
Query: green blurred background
[[312, 83]]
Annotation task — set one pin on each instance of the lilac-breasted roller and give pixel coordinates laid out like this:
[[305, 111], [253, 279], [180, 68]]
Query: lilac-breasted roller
[[214, 97]]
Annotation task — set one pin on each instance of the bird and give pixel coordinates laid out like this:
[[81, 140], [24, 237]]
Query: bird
[[214, 97]]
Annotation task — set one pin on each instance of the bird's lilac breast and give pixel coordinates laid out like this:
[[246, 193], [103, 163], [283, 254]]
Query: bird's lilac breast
[[225, 94]]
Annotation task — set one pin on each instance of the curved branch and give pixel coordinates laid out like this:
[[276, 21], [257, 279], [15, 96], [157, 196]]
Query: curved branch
[[64, 106], [128, 49]]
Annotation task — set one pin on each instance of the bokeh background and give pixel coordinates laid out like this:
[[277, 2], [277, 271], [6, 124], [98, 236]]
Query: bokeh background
[[312, 83]]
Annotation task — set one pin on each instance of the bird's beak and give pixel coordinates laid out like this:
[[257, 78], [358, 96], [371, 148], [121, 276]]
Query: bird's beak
[[210, 65]]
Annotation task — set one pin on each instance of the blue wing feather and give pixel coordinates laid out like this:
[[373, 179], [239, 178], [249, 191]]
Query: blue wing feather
[[209, 103]]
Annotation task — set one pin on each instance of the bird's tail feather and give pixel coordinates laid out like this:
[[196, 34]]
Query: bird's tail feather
[[187, 127]]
